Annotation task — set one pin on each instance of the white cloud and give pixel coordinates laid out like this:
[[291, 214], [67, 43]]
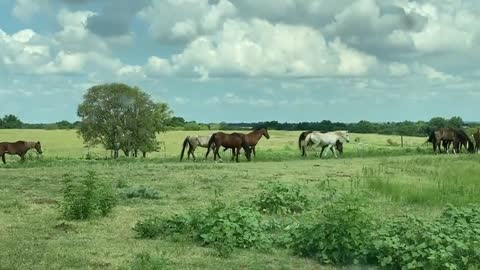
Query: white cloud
[[398, 69], [184, 20], [259, 48], [25, 9]]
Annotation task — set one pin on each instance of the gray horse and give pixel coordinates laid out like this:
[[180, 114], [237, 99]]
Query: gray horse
[[193, 142]]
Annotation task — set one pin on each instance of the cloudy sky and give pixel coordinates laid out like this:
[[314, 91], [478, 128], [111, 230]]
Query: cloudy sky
[[246, 60]]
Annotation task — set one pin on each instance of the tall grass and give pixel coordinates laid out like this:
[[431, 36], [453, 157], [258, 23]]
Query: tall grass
[[429, 181]]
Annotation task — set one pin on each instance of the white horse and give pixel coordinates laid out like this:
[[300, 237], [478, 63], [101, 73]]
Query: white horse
[[329, 139], [193, 142]]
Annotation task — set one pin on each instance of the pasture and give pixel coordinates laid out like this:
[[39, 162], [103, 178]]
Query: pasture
[[392, 181]]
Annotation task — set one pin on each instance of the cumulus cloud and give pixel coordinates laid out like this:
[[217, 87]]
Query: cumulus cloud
[[25, 9]]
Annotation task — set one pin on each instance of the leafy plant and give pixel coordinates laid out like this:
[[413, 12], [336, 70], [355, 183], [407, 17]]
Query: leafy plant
[[338, 235], [87, 197], [278, 198], [449, 242]]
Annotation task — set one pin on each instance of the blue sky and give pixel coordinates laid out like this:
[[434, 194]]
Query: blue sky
[[246, 60]]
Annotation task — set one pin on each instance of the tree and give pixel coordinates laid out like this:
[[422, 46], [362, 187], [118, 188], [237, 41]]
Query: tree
[[121, 117], [456, 122], [10, 121]]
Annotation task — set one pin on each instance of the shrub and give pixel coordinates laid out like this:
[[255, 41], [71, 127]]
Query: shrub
[[87, 197], [277, 198], [140, 192], [339, 235], [449, 242], [228, 227], [219, 226], [145, 261]]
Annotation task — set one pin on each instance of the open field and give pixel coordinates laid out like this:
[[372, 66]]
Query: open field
[[34, 235]]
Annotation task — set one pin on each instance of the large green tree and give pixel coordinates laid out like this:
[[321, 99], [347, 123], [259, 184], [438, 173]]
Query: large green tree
[[10, 121], [121, 117]]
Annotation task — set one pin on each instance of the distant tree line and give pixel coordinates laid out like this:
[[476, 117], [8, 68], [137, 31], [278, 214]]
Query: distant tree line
[[406, 128], [11, 121]]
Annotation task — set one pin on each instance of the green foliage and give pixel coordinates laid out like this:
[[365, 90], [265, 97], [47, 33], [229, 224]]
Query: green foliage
[[339, 235], [278, 198], [140, 192], [145, 261], [87, 197], [121, 117], [449, 242], [10, 121], [218, 226]]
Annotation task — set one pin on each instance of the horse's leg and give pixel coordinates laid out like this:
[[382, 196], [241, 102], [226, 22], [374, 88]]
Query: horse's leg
[[233, 153], [22, 156], [193, 155], [323, 149], [253, 150], [238, 153], [3, 158]]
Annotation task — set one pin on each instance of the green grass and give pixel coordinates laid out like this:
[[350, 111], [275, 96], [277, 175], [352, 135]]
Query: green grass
[[33, 234]]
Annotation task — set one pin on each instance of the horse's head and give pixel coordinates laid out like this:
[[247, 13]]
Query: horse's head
[[38, 147], [265, 133], [344, 135]]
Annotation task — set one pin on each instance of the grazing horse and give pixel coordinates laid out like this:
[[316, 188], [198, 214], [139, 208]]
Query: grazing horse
[[476, 137], [462, 139], [253, 138], [301, 140], [18, 148], [447, 136], [328, 139], [236, 141], [193, 142]]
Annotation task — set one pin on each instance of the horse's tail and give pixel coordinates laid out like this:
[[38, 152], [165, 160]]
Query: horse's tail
[[431, 138], [185, 142], [211, 142], [300, 140], [304, 143]]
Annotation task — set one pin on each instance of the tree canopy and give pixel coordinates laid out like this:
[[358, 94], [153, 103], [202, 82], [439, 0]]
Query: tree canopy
[[121, 117]]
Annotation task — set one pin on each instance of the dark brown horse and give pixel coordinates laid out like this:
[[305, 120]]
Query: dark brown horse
[[303, 135], [236, 141], [18, 148], [252, 139], [447, 136], [476, 137]]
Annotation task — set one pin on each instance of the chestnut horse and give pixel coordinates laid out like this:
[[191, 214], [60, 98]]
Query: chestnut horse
[[476, 137], [236, 141], [253, 138], [18, 148]]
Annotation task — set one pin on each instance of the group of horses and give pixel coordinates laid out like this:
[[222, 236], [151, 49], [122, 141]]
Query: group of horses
[[455, 137], [237, 141]]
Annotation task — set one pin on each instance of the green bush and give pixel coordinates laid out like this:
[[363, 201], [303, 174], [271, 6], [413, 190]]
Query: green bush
[[218, 226], [87, 197], [140, 192], [450, 242], [339, 235], [226, 228], [277, 198], [145, 261]]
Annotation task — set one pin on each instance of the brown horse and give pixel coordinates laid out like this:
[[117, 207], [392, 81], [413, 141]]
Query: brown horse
[[303, 136], [18, 148], [252, 139], [447, 136], [476, 137], [236, 141]]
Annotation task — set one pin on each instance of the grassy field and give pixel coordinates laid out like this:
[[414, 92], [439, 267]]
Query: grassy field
[[34, 235]]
